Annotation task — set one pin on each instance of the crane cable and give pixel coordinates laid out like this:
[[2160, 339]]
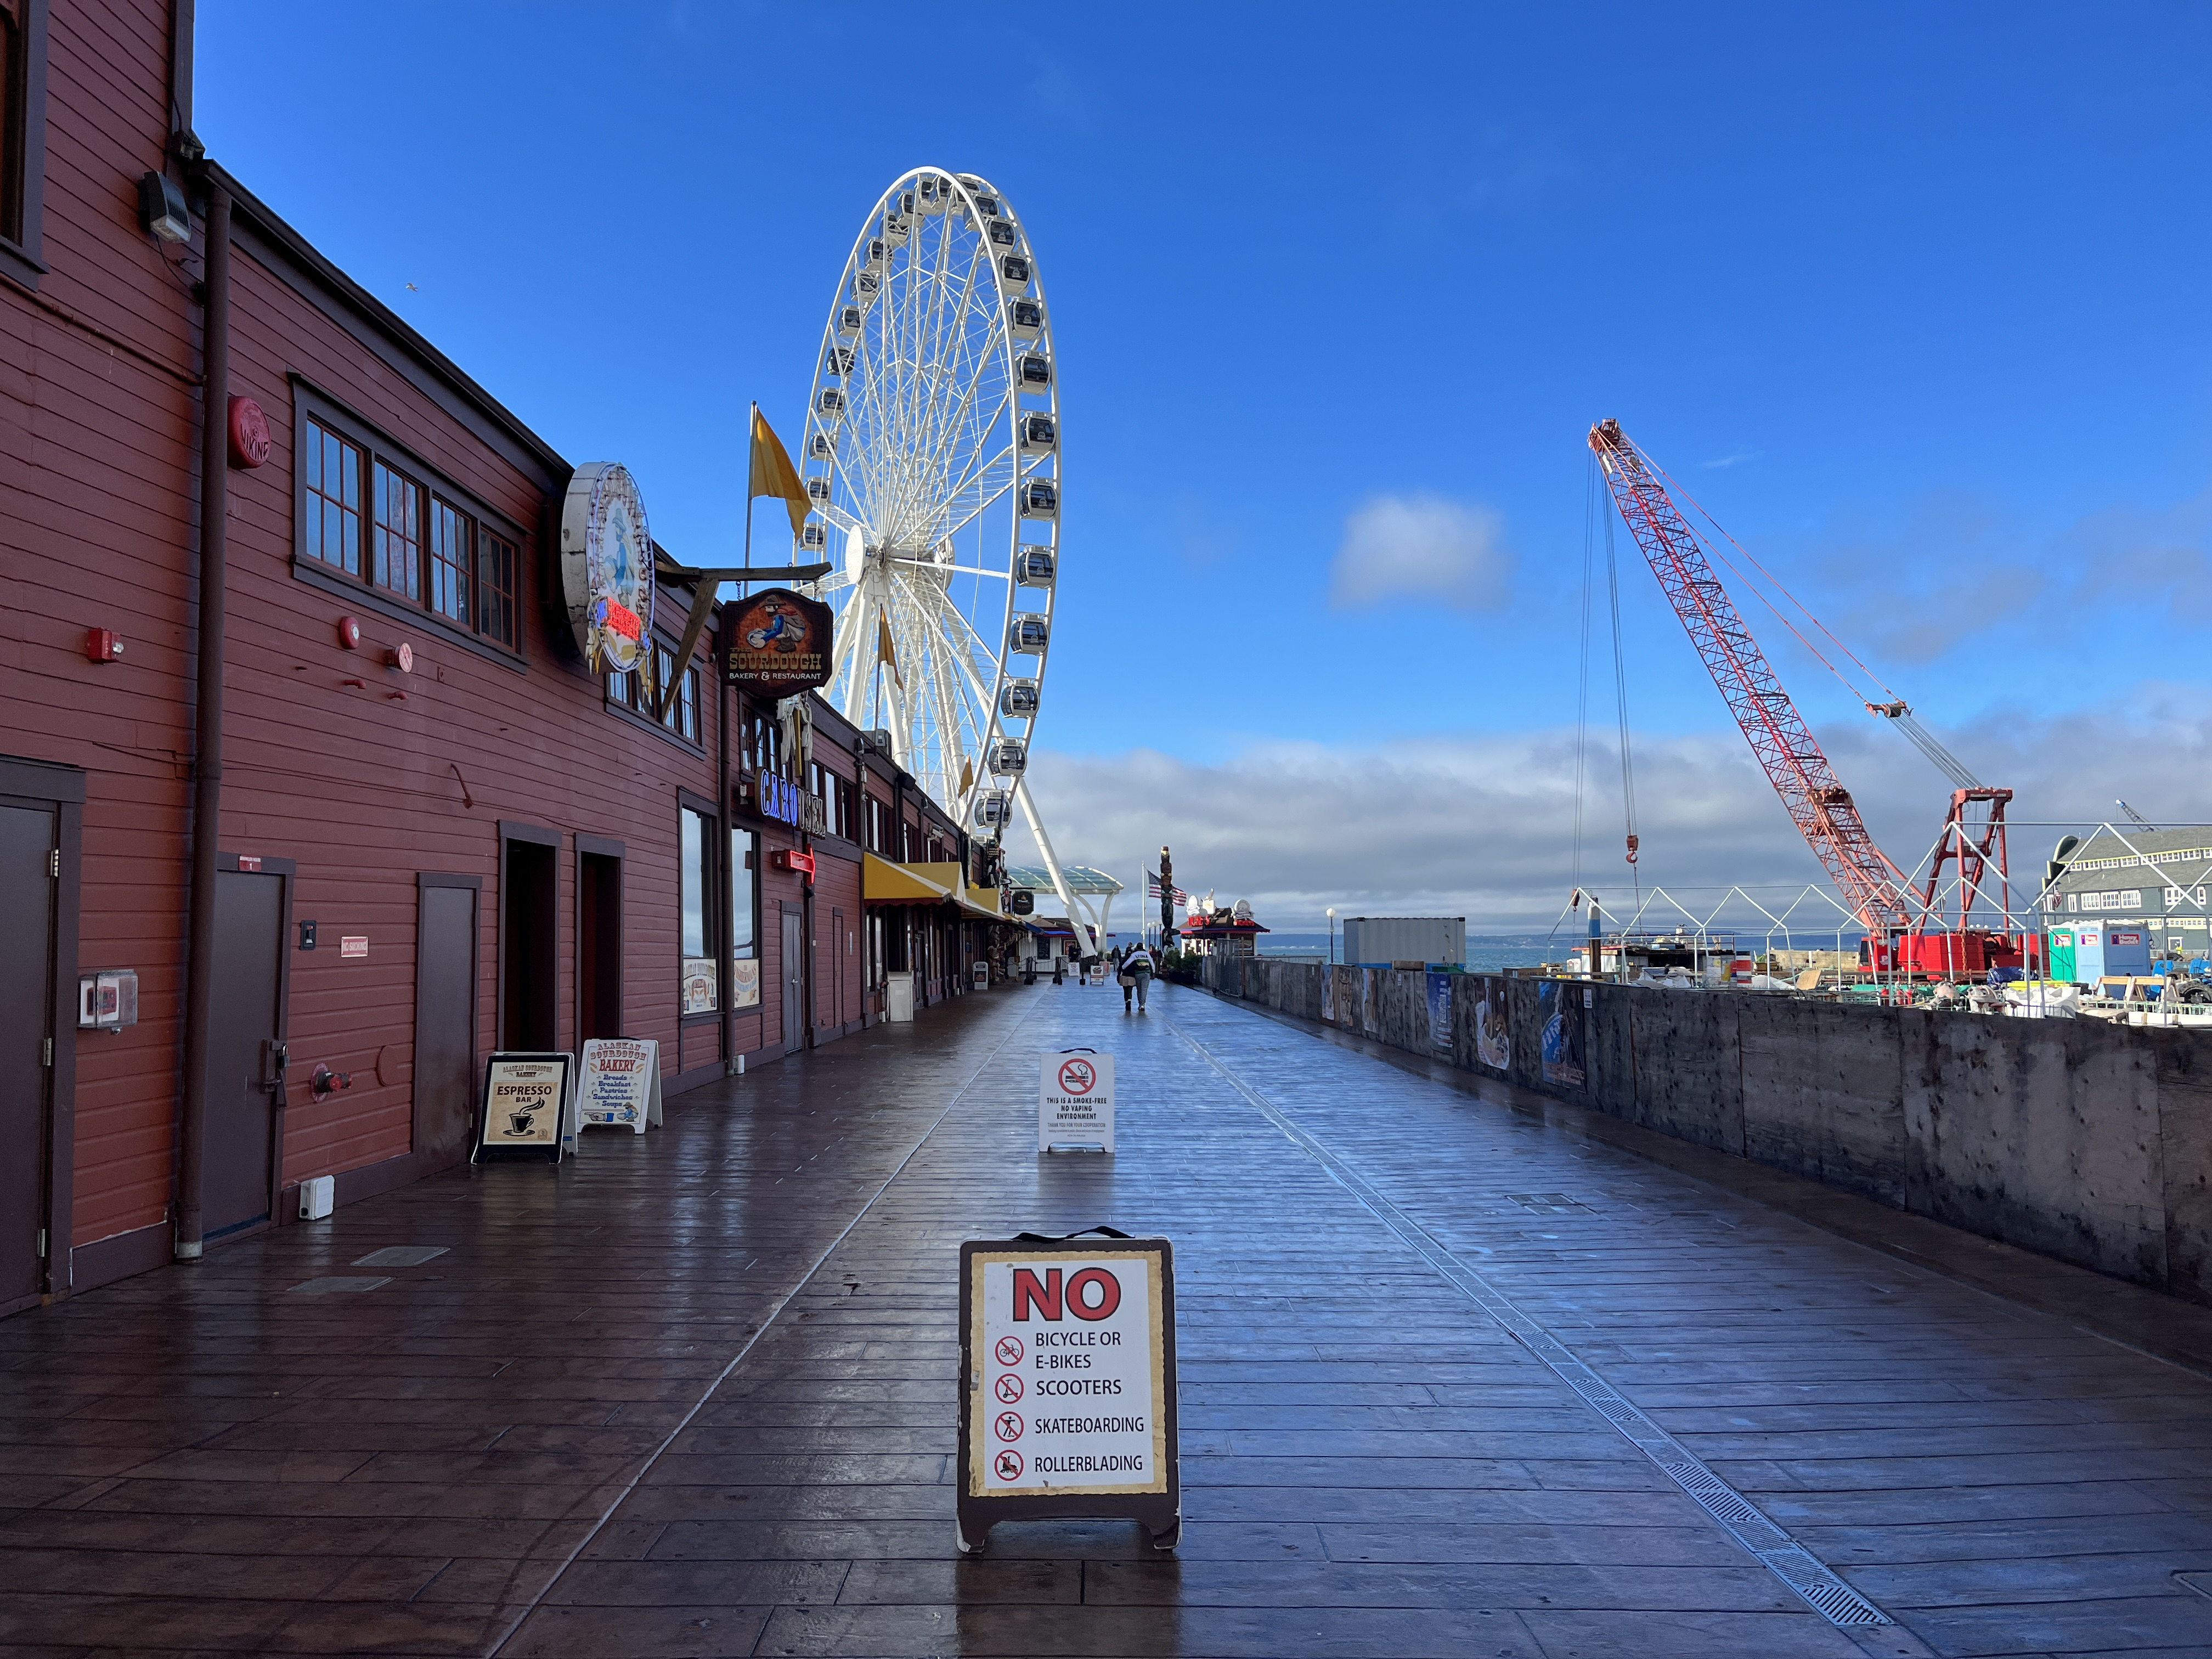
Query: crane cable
[[1621, 710], [1582, 695]]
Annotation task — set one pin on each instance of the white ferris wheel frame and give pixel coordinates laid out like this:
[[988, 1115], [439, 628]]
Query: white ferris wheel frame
[[945, 705]]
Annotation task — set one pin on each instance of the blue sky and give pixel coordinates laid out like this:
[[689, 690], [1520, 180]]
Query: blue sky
[[1912, 299]]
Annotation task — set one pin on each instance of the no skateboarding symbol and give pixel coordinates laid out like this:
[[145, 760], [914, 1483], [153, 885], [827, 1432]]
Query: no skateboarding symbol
[[1009, 1425]]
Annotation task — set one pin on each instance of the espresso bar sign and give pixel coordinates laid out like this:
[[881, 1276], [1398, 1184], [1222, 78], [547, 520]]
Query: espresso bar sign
[[778, 643], [523, 1108], [1067, 1353]]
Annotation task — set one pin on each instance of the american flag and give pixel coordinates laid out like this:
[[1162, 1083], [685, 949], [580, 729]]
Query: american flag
[[1152, 889]]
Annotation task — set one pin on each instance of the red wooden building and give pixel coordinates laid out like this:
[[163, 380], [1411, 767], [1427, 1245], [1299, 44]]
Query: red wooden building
[[296, 732]]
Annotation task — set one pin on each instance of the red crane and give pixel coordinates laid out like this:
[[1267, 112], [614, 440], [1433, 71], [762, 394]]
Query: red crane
[[1879, 894]]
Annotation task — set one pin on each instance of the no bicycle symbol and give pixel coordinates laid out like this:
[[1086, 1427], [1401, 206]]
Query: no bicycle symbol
[[1009, 1351], [1078, 1077]]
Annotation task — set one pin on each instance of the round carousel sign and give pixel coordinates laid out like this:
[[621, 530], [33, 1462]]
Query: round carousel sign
[[606, 567]]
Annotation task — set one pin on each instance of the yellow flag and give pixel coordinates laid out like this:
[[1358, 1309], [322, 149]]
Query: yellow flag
[[967, 775], [773, 474], [884, 654]]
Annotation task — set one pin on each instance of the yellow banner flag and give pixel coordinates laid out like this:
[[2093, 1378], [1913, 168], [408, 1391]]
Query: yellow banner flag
[[884, 654], [773, 474]]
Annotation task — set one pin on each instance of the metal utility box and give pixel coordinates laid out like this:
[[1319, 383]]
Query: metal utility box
[[1379, 941]]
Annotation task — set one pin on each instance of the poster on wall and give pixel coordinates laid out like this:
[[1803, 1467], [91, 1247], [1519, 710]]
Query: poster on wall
[[698, 993], [524, 1106], [1440, 990], [1329, 995], [745, 983], [620, 1087], [1493, 1045], [1559, 1012]]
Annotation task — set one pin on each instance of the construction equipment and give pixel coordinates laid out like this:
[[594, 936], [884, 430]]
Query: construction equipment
[[1897, 918]]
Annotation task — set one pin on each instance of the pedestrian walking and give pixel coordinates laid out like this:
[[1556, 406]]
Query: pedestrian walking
[[1136, 977]]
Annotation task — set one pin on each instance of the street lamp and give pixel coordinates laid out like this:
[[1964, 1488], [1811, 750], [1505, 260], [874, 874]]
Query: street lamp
[[1332, 936]]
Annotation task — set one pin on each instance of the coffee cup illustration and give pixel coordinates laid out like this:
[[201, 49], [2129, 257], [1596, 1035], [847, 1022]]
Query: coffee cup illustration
[[522, 1118]]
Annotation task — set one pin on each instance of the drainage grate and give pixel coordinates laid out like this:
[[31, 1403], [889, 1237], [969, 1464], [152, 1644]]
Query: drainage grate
[[400, 1255], [1548, 1203], [337, 1284]]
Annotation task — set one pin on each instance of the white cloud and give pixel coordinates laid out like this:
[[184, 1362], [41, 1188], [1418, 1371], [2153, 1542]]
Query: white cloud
[[1482, 825], [1423, 547]]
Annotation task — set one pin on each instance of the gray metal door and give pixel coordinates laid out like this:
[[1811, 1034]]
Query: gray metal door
[[445, 1021], [241, 1120], [794, 981], [26, 919]]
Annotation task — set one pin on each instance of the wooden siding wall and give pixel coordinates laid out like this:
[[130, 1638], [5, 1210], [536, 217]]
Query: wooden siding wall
[[97, 459]]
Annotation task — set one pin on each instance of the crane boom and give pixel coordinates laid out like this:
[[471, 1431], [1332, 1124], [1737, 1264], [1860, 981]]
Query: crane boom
[[1818, 803]]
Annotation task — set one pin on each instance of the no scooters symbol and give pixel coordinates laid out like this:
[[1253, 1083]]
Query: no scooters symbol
[[1009, 1387], [1008, 1465], [1009, 1425], [1009, 1351], [1077, 1076]]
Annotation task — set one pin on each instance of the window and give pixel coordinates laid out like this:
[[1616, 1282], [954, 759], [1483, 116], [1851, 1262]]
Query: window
[[398, 500], [745, 903], [764, 744], [334, 473], [695, 939], [23, 134], [639, 691], [835, 794], [879, 827], [366, 515], [453, 563]]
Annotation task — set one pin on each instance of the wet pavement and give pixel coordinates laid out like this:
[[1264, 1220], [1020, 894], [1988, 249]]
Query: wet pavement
[[1458, 1377]]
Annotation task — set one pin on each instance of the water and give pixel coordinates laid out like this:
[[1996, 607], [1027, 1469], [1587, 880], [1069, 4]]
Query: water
[[1486, 952]]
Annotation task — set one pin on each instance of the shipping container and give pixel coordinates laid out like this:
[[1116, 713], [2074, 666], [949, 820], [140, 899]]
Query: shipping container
[[1379, 941]]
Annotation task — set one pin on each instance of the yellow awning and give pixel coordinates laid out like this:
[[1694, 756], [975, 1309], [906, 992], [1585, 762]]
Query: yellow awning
[[883, 881]]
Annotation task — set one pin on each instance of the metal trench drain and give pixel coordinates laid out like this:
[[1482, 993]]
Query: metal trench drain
[[1812, 1578]]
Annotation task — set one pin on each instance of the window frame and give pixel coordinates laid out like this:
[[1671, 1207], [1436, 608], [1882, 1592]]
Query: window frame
[[693, 695], [712, 900], [23, 104], [310, 402]]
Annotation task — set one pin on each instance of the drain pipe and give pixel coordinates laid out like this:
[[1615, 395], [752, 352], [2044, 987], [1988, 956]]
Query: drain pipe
[[207, 746]]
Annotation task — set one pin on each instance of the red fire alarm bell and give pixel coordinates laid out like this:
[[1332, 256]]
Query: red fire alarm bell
[[349, 633], [100, 645]]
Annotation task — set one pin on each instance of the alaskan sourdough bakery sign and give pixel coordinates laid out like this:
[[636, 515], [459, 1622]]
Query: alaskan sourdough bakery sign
[[606, 567], [1067, 1362], [778, 643]]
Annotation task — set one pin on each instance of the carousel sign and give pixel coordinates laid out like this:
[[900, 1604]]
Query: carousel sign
[[606, 567]]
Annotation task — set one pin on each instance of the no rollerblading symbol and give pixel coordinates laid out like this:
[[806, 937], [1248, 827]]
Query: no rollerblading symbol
[[1009, 1465], [1009, 1387]]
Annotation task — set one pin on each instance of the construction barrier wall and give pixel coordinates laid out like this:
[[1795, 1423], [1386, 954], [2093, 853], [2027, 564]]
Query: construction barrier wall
[[2084, 1140]]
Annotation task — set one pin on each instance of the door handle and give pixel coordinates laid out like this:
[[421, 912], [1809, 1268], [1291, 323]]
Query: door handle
[[274, 1057]]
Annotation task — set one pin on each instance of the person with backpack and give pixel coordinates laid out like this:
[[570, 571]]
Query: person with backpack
[[1136, 977]]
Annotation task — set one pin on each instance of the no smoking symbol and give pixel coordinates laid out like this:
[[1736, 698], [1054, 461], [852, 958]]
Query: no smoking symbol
[[1007, 1465], [1008, 1425], [1009, 1388], [1009, 1351], [1077, 1076]]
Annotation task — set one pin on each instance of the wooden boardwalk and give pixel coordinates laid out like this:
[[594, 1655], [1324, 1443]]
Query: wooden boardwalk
[[1457, 1379]]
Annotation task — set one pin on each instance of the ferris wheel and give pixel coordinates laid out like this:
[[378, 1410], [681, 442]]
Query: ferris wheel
[[931, 461]]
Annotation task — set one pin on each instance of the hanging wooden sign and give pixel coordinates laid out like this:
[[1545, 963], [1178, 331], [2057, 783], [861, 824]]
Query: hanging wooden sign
[[778, 643], [523, 1107], [1067, 1363]]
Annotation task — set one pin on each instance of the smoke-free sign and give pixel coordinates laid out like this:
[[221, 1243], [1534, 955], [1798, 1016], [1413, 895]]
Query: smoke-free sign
[[1075, 1101], [1068, 1351]]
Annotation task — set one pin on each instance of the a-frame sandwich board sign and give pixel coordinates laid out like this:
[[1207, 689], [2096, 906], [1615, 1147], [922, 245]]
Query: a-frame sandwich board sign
[[1068, 1398]]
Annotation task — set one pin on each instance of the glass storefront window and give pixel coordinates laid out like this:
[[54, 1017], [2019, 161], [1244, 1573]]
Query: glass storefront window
[[694, 881]]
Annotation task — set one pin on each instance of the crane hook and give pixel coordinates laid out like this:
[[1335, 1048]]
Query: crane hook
[[1632, 849]]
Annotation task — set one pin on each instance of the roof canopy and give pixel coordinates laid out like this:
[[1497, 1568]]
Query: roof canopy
[[1081, 878]]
